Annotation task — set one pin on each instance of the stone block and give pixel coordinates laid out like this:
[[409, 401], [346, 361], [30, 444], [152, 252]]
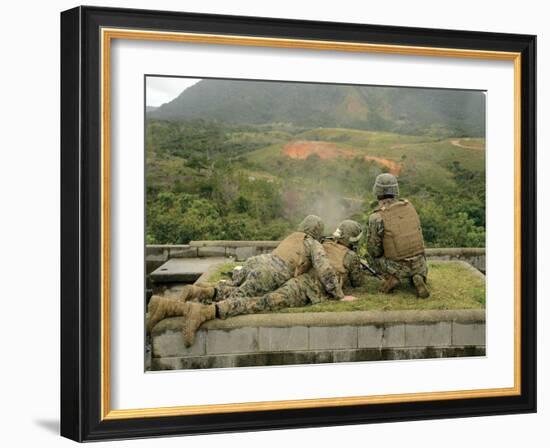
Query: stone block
[[323, 338], [166, 364], [170, 343], [155, 251], [468, 334], [183, 252], [381, 336], [184, 270], [239, 340], [213, 251], [231, 252], [244, 253], [157, 258], [283, 339], [428, 335]]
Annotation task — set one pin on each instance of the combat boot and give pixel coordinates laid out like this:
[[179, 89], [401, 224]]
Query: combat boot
[[153, 303], [203, 294], [420, 285], [163, 308], [195, 315], [390, 282]]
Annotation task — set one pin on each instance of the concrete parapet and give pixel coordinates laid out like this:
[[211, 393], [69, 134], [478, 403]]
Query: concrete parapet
[[295, 338], [184, 270], [158, 254], [475, 256]]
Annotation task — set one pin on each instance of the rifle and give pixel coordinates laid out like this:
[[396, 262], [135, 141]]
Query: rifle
[[365, 265]]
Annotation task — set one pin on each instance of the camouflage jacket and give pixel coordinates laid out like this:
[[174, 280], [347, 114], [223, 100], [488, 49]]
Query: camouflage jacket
[[375, 231], [322, 267], [356, 274], [346, 263]]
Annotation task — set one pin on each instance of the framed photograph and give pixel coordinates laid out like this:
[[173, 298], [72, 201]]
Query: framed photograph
[[273, 223]]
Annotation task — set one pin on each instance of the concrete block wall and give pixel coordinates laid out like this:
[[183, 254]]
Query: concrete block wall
[[156, 255], [278, 339], [474, 256]]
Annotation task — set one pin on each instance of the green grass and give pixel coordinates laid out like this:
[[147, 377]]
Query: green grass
[[452, 286], [223, 272], [260, 138], [361, 138]]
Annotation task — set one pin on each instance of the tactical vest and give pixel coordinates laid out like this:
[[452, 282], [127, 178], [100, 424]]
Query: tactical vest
[[402, 230], [336, 254], [292, 250]]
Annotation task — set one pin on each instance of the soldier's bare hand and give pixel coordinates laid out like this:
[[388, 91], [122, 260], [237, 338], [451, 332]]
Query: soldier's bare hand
[[349, 299]]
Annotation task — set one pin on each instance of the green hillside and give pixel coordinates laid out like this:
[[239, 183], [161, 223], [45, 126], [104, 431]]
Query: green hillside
[[211, 180], [412, 111]]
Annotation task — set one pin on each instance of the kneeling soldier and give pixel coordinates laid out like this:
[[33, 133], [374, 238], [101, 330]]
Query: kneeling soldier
[[395, 242]]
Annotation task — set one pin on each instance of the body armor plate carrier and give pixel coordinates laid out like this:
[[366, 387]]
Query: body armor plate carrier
[[292, 250], [402, 231], [336, 254]]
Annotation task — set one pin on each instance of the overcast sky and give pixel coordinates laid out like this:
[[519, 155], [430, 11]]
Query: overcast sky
[[162, 90]]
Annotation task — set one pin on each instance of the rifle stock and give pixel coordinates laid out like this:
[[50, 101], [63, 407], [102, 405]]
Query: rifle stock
[[365, 265]]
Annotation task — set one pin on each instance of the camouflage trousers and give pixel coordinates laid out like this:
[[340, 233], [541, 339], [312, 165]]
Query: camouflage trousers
[[259, 275], [299, 291], [402, 269]]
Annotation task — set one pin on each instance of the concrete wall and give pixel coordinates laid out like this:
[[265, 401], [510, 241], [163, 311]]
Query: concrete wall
[[474, 256], [156, 255], [309, 338]]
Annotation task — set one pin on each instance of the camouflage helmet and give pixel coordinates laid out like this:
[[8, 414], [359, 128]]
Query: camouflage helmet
[[349, 232], [385, 185], [313, 226]]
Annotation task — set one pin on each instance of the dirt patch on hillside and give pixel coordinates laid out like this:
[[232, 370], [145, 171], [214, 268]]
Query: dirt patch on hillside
[[392, 166], [302, 149], [468, 144]]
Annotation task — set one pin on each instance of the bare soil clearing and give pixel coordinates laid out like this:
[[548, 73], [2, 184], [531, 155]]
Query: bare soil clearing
[[469, 145], [302, 149]]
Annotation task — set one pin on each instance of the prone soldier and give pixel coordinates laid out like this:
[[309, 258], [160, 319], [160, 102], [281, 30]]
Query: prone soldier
[[395, 242], [308, 288], [343, 269], [298, 253]]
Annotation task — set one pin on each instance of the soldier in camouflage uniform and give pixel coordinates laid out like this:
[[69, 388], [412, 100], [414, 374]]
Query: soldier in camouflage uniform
[[339, 267], [308, 288], [298, 253], [341, 251], [395, 242]]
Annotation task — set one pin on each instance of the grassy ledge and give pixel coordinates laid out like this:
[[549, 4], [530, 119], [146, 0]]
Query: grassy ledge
[[453, 285]]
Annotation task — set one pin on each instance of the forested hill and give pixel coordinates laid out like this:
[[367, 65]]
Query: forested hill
[[395, 109]]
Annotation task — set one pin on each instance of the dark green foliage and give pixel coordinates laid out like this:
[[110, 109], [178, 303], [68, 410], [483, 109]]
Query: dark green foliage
[[216, 200]]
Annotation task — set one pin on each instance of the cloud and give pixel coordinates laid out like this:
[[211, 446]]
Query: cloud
[[160, 90]]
